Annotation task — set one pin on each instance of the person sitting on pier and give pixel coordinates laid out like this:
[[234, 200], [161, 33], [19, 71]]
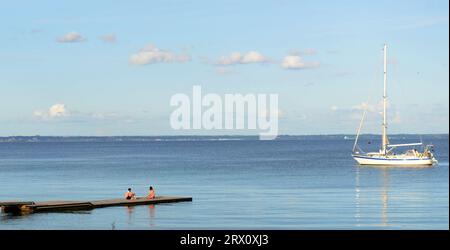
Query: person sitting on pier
[[151, 193], [130, 195]]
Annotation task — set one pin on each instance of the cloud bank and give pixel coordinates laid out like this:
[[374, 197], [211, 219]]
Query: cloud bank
[[55, 111], [71, 37], [296, 62], [238, 58]]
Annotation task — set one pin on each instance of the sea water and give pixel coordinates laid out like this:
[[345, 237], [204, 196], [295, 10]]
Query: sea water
[[237, 182]]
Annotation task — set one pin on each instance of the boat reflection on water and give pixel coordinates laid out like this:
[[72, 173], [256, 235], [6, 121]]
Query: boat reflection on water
[[361, 199], [384, 197]]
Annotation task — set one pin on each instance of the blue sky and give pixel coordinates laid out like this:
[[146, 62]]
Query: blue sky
[[87, 67]]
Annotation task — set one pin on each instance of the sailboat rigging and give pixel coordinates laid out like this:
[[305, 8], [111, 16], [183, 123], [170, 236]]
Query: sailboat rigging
[[386, 156]]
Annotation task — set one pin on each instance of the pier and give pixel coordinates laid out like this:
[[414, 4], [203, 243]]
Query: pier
[[54, 206]]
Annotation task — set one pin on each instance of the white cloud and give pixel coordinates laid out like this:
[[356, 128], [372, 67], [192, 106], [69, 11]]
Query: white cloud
[[233, 58], [254, 57], [374, 108], [60, 113], [238, 58], [150, 54], [364, 106], [71, 37], [334, 108], [55, 111], [39, 114], [296, 62], [369, 107], [109, 38], [58, 110]]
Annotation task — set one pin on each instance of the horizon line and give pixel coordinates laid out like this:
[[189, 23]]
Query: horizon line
[[191, 135]]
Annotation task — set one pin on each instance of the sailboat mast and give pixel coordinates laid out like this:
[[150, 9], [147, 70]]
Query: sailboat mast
[[384, 135]]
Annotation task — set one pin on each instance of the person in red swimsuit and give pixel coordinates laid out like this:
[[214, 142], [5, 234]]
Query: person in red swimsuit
[[151, 193]]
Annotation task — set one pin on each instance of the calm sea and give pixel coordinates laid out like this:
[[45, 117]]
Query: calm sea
[[295, 182]]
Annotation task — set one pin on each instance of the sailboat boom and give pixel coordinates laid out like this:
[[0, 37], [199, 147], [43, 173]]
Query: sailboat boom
[[405, 145], [359, 129]]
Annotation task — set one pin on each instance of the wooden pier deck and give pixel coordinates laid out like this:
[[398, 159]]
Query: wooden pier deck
[[51, 206]]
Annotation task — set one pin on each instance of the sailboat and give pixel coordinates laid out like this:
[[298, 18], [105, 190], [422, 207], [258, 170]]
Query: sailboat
[[386, 155]]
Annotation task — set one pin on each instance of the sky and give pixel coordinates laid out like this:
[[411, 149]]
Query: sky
[[104, 68]]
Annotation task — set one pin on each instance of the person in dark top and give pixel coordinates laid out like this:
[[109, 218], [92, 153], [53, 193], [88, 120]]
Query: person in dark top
[[130, 195]]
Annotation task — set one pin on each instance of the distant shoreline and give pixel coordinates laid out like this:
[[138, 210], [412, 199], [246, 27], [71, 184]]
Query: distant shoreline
[[206, 137], [219, 135]]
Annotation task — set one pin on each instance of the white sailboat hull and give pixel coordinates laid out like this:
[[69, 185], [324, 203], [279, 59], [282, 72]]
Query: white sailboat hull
[[392, 160], [386, 156]]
